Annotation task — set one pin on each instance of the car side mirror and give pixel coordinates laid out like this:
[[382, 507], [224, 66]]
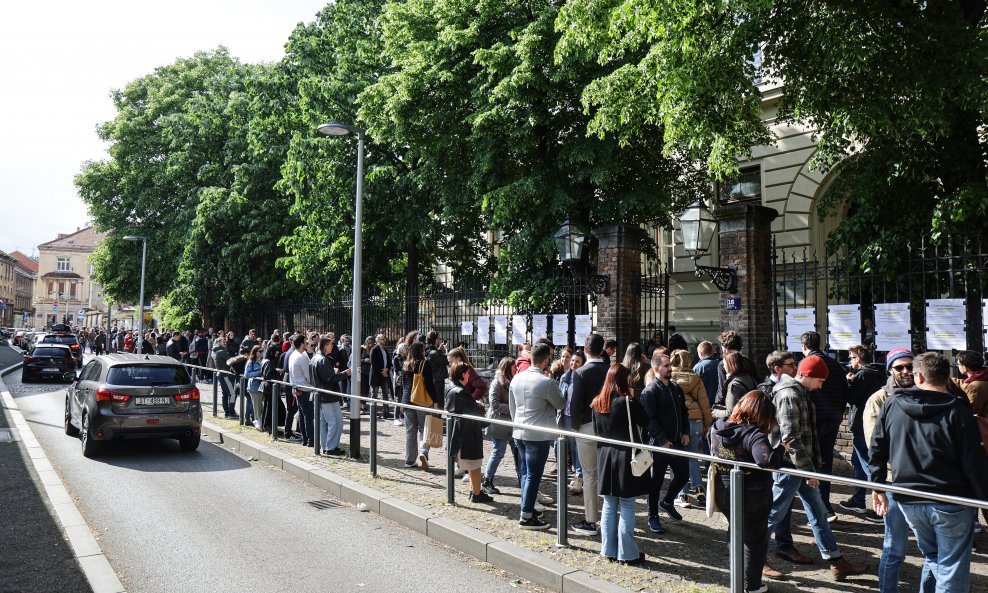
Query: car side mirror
[[69, 377]]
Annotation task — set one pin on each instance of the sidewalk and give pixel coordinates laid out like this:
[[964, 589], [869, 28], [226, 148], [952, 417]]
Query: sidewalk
[[34, 555], [690, 557]]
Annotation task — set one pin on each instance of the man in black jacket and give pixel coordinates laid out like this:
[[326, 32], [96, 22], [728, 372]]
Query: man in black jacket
[[829, 401], [588, 381], [380, 373], [864, 379], [932, 442]]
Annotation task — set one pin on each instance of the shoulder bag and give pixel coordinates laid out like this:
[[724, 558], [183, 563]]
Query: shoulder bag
[[641, 460], [420, 393]]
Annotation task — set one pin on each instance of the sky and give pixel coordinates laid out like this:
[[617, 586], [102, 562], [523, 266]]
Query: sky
[[60, 60]]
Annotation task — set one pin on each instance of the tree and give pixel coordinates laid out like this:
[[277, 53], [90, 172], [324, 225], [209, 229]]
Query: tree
[[895, 89], [497, 131]]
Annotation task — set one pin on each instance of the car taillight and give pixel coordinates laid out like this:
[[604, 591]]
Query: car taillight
[[74, 346], [188, 395], [105, 395], [31, 359]]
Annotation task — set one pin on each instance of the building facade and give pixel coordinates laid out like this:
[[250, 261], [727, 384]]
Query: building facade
[[8, 283], [26, 272], [64, 291]]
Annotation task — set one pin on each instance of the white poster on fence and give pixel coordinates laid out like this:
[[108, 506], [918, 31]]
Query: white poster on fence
[[946, 337], [560, 329], [843, 326], [500, 329], [799, 321], [582, 327], [483, 329], [466, 328], [945, 322], [892, 326], [540, 327], [519, 329]]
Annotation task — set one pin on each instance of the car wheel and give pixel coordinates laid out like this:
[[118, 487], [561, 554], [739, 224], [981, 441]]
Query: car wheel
[[70, 430], [88, 444], [189, 443]]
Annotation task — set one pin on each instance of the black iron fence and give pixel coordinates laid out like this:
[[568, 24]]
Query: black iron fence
[[927, 275]]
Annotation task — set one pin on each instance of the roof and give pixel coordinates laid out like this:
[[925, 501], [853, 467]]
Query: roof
[[69, 275], [128, 358], [82, 239], [26, 263]]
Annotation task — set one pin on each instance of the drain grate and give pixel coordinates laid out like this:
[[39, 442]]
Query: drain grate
[[6, 436], [325, 504]]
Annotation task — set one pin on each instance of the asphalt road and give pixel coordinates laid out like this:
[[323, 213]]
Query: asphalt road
[[212, 521]]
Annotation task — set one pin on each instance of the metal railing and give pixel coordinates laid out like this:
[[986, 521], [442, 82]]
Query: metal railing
[[736, 501]]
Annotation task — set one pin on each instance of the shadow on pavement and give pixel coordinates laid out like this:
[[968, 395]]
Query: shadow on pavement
[[164, 455]]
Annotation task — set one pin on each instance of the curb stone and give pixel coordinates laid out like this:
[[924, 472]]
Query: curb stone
[[100, 575], [520, 561]]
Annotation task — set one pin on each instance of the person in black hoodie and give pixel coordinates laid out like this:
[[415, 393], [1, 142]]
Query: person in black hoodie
[[467, 438], [932, 443], [668, 426], [864, 379], [829, 401], [744, 437]]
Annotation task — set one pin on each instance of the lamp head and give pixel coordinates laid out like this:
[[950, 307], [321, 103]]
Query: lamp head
[[570, 240], [134, 238], [337, 129], [698, 227]]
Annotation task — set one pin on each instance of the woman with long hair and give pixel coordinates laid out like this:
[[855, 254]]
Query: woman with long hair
[[269, 372], [615, 481], [500, 435], [416, 364], [252, 372], [634, 361], [698, 406], [744, 437], [739, 382]]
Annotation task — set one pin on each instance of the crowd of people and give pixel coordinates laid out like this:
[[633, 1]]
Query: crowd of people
[[912, 425]]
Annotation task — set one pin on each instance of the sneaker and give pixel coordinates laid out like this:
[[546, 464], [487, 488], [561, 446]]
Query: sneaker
[[488, 486], [539, 507], [682, 501], [655, 525], [699, 501], [466, 477], [545, 499], [480, 497], [769, 572], [398, 422], [576, 486], [257, 424], [872, 517], [852, 506], [412, 464], [295, 438], [423, 461], [337, 452], [762, 589], [585, 528], [831, 517], [533, 524], [637, 561], [670, 510]]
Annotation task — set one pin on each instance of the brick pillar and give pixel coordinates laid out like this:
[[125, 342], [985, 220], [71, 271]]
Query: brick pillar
[[619, 256], [746, 242]]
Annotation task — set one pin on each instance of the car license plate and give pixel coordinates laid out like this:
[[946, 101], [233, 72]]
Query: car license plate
[[49, 370], [153, 401]]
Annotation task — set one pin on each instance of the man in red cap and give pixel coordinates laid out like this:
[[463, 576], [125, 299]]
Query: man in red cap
[[796, 431]]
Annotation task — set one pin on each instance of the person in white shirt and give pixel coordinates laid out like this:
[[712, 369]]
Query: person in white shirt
[[298, 375]]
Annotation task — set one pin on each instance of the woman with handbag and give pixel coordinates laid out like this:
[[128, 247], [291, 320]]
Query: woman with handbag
[[415, 420], [618, 415], [252, 372], [500, 435], [467, 436], [744, 437]]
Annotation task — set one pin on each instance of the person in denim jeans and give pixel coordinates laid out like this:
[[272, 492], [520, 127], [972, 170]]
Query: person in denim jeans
[[698, 406], [500, 435], [931, 442], [534, 400], [565, 418], [796, 419]]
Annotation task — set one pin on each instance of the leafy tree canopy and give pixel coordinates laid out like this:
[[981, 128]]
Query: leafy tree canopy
[[894, 89]]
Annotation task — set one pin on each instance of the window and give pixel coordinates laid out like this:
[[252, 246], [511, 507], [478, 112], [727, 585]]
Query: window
[[147, 376], [72, 289], [746, 186], [63, 264], [61, 288], [51, 287]]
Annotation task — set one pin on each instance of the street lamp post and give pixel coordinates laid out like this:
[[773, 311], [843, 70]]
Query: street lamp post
[[699, 226], [338, 129], [140, 308]]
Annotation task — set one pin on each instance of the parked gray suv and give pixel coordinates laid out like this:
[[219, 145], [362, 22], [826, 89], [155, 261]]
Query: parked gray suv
[[119, 396]]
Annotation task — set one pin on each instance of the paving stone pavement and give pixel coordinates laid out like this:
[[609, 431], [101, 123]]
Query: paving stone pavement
[[691, 557]]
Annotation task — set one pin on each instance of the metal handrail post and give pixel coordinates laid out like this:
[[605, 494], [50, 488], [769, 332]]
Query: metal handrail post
[[216, 386], [274, 411], [737, 530], [242, 385], [450, 464], [562, 504], [315, 422], [373, 439]]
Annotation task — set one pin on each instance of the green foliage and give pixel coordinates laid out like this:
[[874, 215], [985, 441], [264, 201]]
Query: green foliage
[[897, 86]]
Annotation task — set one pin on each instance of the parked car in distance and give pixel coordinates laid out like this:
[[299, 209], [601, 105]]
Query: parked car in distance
[[22, 337], [123, 396], [48, 361], [69, 340]]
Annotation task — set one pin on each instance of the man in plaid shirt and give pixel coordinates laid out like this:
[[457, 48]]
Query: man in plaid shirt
[[797, 433]]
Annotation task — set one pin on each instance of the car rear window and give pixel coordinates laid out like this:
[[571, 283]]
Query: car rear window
[[146, 375], [54, 352], [61, 339]]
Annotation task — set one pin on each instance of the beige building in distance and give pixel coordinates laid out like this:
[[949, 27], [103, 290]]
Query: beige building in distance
[[26, 272], [64, 291]]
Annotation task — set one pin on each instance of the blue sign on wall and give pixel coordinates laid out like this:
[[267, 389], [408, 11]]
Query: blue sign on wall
[[733, 303]]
